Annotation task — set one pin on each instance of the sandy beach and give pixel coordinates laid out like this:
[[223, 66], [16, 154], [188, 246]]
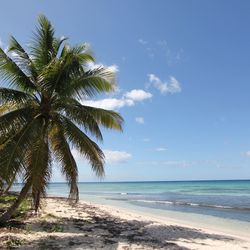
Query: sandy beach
[[61, 225]]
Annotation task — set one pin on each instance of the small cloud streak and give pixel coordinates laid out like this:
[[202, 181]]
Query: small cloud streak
[[140, 120], [114, 157], [160, 149], [142, 41], [161, 49], [172, 56], [168, 163], [171, 86]]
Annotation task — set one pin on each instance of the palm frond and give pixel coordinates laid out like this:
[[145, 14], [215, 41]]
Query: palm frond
[[13, 151], [89, 117], [80, 52], [78, 115], [64, 156], [42, 47], [57, 43], [22, 56], [88, 148], [14, 96], [12, 122], [90, 83], [107, 118], [13, 74], [56, 75], [7, 107]]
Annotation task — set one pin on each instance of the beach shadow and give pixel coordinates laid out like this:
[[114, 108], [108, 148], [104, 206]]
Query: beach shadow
[[100, 230], [106, 232], [185, 234]]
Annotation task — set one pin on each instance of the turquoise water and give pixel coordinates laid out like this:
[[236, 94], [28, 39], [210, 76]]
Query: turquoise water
[[224, 199]]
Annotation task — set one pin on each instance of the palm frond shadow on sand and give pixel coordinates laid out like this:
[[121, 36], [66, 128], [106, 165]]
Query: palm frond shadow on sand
[[102, 230]]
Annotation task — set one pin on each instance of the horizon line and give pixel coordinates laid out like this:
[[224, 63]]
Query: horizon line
[[64, 182]]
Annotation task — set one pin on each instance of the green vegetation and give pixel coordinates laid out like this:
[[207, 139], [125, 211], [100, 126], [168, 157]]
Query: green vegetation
[[14, 242], [8, 199], [42, 117], [56, 228]]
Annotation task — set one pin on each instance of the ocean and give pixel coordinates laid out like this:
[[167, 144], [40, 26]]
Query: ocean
[[227, 199]]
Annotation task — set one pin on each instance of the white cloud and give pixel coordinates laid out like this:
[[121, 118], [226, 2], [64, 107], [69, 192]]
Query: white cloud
[[169, 163], [247, 154], [112, 157], [172, 56], [79, 158], [142, 41], [162, 43], [114, 68], [138, 95], [139, 120], [171, 86], [127, 100], [178, 163], [160, 49], [75, 153], [109, 103], [160, 149]]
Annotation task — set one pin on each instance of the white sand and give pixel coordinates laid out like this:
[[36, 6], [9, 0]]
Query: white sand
[[86, 226]]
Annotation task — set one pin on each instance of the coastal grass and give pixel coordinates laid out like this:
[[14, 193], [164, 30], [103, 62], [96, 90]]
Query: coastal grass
[[6, 200]]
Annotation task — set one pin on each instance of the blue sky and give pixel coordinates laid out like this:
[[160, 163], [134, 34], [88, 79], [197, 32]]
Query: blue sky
[[183, 71]]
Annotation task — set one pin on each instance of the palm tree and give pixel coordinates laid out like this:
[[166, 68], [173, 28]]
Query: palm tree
[[41, 115]]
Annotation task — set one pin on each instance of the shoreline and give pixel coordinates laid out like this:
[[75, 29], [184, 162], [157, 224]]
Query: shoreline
[[147, 215], [85, 225]]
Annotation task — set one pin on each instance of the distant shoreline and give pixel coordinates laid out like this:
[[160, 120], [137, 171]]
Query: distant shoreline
[[217, 180]]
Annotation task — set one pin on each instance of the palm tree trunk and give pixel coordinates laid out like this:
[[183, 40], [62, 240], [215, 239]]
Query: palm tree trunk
[[7, 215], [36, 199]]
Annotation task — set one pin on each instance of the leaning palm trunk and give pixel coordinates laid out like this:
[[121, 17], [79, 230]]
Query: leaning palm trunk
[[43, 115], [9, 185], [6, 190], [8, 214]]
